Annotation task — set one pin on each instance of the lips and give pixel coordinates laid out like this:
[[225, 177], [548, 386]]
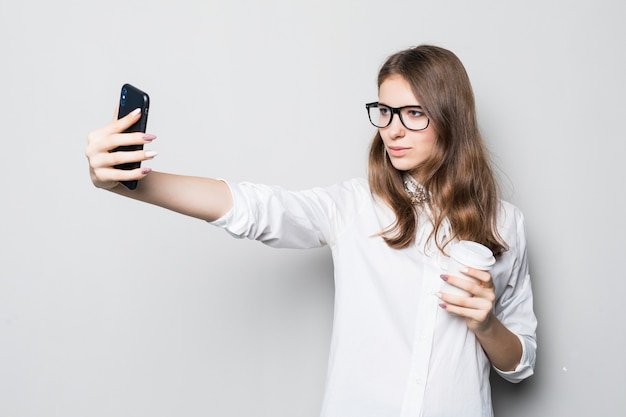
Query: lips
[[397, 151]]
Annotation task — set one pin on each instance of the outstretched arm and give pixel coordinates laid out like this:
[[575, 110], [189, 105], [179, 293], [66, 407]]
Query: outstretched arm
[[203, 198]]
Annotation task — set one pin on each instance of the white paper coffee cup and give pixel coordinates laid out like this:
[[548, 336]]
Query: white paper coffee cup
[[466, 253]]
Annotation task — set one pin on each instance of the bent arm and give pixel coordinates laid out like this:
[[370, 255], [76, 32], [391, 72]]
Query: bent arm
[[511, 330], [505, 326], [502, 346]]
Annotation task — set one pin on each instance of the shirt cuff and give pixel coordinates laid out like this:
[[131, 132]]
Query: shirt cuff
[[225, 219]]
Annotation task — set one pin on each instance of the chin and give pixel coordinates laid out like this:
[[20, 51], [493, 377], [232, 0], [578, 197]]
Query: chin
[[403, 165]]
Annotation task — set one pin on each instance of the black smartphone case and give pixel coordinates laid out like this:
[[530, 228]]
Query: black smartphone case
[[132, 98]]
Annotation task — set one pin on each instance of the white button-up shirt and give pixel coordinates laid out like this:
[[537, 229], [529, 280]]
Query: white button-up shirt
[[394, 352]]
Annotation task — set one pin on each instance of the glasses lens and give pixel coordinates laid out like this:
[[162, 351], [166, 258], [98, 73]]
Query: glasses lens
[[379, 116], [414, 118]]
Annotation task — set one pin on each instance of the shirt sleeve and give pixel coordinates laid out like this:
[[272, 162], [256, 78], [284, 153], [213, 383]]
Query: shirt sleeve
[[514, 308], [290, 219]]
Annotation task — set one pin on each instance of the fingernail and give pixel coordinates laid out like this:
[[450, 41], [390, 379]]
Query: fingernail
[[443, 277], [146, 170], [148, 137], [135, 112], [442, 305], [151, 154], [463, 270]]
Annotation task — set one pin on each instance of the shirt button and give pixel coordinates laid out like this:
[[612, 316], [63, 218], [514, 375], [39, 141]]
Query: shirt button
[[418, 381]]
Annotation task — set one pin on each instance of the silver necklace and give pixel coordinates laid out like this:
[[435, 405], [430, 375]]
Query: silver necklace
[[414, 189]]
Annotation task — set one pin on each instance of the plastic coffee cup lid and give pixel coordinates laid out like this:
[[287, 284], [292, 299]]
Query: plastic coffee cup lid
[[472, 254]]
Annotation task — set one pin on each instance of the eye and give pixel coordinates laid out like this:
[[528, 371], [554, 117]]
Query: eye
[[414, 112], [384, 111]]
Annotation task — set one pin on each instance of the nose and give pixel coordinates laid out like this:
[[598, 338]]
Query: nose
[[396, 129]]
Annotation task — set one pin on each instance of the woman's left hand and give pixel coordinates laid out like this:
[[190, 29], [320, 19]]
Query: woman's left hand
[[477, 308]]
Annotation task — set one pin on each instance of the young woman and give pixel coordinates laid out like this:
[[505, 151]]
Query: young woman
[[401, 346]]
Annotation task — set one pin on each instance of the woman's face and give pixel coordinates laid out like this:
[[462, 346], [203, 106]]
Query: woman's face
[[407, 149]]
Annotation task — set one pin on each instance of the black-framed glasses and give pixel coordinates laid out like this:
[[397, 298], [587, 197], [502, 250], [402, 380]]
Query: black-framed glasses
[[412, 117]]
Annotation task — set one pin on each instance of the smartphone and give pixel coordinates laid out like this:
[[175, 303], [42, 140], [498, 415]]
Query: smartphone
[[132, 98]]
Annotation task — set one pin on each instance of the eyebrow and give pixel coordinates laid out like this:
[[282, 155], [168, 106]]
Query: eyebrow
[[401, 107]]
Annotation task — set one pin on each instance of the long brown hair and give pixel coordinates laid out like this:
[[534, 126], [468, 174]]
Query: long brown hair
[[458, 174]]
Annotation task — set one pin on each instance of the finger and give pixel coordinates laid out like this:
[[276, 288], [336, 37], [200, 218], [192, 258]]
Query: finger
[[116, 175], [474, 316], [109, 160], [125, 139], [463, 301], [111, 142], [118, 125], [124, 157], [475, 289], [482, 276], [464, 283], [475, 310]]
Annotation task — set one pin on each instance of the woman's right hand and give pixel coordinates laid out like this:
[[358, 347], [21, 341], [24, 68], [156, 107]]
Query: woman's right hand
[[102, 141], [204, 198]]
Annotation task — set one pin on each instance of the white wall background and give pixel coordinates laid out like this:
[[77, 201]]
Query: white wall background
[[110, 307]]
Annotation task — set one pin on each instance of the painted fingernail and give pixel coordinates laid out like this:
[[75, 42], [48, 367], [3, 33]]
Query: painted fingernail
[[146, 171], [442, 305], [443, 277], [151, 154], [148, 137], [135, 112]]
